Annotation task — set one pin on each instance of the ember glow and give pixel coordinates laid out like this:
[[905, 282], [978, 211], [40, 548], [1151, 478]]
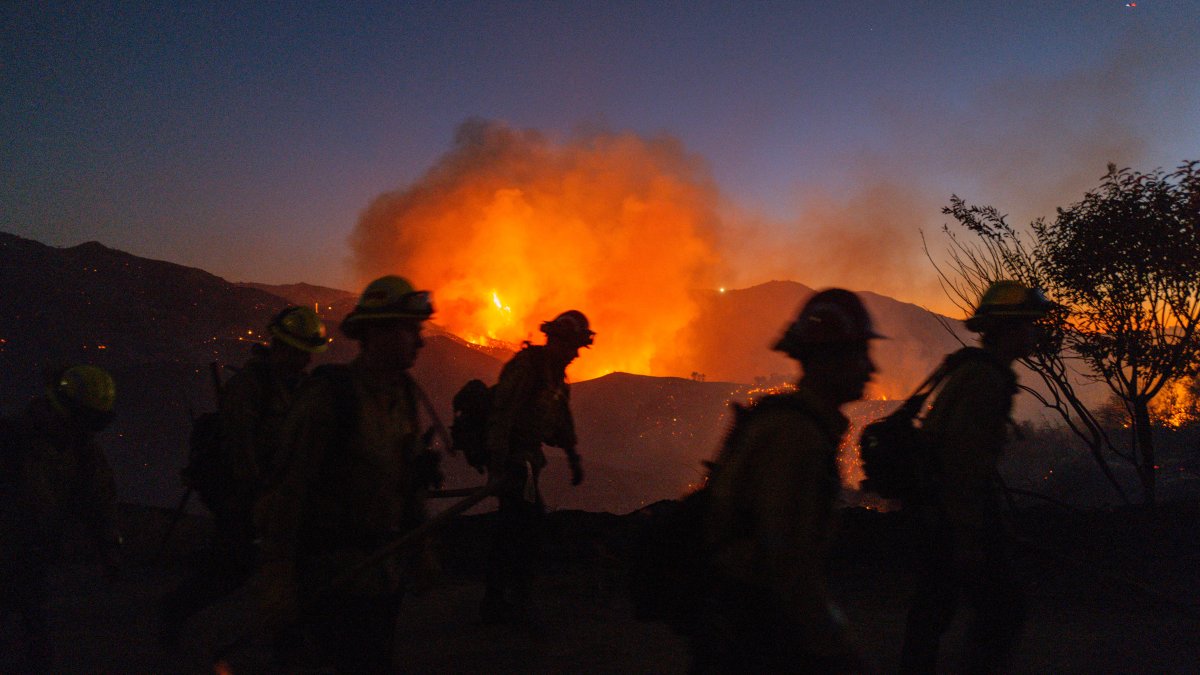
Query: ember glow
[[1177, 405], [511, 228]]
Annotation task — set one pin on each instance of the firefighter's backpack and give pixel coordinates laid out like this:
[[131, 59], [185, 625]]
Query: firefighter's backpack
[[468, 432], [896, 458], [209, 469]]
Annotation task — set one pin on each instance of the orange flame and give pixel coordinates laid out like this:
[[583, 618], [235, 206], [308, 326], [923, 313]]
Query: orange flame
[[510, 229], [1177, 405]]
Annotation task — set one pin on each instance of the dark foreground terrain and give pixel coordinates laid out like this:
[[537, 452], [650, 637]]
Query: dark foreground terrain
[[1112, 591]]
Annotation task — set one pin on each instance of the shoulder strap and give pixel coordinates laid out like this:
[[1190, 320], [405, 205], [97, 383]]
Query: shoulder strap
[[912, 405]]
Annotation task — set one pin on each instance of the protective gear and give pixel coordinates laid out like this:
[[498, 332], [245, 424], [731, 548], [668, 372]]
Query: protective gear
[[1008, 300], [85, 393], [962, 546], [85, 386], [571, 326], [530, 408], [300, 327], [347, 487], [831, 316], [53, 479], [388, 298], [770, 607]]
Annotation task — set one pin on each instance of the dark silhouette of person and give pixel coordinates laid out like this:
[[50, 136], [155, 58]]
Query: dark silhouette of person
[[771, 512], [252, 405], [53, 474], [354, 473], [530, 407], [962, 545]]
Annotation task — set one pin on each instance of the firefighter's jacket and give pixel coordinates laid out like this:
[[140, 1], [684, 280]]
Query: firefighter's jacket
[[772, 512], [253, 405], [966, 428], [53, 476], [347, 484], [530, 406]]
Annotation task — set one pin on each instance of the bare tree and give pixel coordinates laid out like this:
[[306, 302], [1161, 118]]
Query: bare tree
[[1124, 264]]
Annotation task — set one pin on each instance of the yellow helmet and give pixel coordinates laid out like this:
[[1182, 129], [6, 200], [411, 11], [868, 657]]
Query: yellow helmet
[[1008, 300], [86, 393], [300, 327], [389, 298]]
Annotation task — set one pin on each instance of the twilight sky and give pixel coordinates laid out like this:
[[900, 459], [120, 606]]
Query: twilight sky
[[247, 138]]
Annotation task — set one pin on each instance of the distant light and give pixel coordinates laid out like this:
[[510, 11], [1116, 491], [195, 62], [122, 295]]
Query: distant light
[[721, 289]]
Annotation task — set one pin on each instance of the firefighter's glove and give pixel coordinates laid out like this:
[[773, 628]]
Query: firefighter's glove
[[428, 471], [576, 468]]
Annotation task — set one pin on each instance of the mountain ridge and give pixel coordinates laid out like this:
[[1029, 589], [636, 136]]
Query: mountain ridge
[[156, 326]]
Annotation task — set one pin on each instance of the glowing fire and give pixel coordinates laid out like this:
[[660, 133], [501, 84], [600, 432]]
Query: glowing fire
[[496, 321], [510, 229], [1177, 405]]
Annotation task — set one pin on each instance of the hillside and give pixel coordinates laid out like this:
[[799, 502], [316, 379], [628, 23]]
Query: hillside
[[157, 325]]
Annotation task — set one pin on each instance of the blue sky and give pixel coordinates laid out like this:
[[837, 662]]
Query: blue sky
[[246, 138]]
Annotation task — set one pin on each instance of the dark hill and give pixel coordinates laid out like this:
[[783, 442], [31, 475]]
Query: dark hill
[[307, 294], [156, 326]]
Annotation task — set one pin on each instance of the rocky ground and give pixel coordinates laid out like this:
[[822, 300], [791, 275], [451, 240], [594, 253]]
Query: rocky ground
[[1113, 591]]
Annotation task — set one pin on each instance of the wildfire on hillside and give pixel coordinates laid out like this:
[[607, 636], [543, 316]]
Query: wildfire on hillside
[[511, 228]]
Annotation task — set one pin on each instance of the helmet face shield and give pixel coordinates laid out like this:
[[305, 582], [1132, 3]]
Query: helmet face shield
[[388, 298]]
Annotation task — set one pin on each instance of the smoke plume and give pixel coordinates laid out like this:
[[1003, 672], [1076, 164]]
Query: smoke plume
[[511, 228]]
